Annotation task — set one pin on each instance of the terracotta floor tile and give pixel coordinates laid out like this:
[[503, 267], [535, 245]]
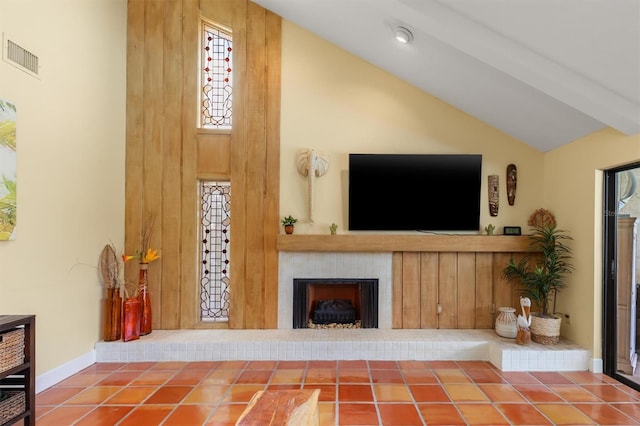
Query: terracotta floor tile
[[206, 394], [93, 395], [565, 414], [551, 378], [291, 386], [131, 395], [474, 365], [202, 365], [153, 378], [327, 413], [420, 377], [241, 393], [484, 375], [327, 392], [322, 364], [292, 364], [501, 393], [105, 415], [187, 377], [169, 365], [355, 393], [57, 395], [232, 365], [574, 393], [119, 378], [523, 414], [169, 395], [386, 376], [64, 415], [357, 414], [354, 375], [105, 366], [465, 393], [392, 393], [226, 415], [41, 410], [384, 365], [441, 365], [189, 415], [399, 414], [261, 365], [320, 375], [585, 377], [610, 393], [254, 376], [482, 414], [538, 393], [140, 366], [147, 415], [290, 375], [84, 379], [631, 410], [441, 414], [429, 393], [519, 377], [412, 365], [451, 375], [221, 377], [605, 414]]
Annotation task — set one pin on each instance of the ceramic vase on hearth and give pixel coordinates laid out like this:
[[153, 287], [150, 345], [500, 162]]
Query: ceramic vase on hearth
[[145, 300], [506, 323], [112, 315], [131, 319]]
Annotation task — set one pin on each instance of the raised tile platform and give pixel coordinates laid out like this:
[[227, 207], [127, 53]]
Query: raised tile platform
[[346, 344]]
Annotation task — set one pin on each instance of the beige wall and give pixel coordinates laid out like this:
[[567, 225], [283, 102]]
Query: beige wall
[[573, 191], [337, 103], [70, 175]]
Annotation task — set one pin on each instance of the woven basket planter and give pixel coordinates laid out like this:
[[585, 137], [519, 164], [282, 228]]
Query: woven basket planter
[[12, 406], [545, 330], [11, 349]]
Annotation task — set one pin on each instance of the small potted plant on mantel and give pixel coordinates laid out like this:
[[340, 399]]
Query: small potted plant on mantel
[[288, 222], [542, 273]]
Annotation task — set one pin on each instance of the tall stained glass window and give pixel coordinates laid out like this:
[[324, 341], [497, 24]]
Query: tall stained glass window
[[216, 78], [215, 237]]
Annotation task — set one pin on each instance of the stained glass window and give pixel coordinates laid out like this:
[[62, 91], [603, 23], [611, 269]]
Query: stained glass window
[[215, 227], [216, 78]]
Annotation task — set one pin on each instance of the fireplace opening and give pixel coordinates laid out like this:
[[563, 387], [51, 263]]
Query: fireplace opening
[[335, 301]]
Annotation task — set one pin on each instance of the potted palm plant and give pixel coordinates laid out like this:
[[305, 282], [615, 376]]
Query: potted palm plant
[[541, 274]]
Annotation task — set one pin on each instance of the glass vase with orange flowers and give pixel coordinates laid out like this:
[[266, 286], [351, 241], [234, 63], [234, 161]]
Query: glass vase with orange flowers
[[145, 256]]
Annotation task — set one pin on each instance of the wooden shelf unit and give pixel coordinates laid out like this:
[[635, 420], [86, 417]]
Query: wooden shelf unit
[[21, 377]]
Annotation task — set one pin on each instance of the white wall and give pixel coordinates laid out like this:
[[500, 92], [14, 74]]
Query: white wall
[[70, 171]]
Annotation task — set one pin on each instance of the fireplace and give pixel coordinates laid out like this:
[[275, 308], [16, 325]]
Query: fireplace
[[345, 298]]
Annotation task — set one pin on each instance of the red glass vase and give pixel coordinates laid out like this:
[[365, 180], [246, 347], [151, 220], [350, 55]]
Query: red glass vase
[[131, 319], [145, 300]]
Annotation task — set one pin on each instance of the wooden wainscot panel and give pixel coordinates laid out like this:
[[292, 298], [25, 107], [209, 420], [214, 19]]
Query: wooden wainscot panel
[[484, 290], [466, 276], [429, 290]]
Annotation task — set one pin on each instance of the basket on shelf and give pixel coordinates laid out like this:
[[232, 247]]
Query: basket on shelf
[[11, 349], [11, 406]]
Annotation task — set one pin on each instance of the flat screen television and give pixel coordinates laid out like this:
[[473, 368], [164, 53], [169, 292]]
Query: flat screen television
[[414, 192]]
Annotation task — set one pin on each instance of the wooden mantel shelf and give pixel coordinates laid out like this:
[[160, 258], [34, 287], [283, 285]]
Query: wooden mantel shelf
[[394, 243]]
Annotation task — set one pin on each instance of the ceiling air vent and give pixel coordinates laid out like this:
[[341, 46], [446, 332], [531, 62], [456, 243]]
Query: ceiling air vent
[[19, 57]]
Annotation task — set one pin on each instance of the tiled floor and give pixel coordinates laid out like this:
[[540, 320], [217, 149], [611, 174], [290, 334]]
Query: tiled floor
[[354, 392]]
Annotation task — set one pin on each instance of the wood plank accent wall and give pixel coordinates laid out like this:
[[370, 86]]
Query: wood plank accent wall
[[439, 281], [167, 154]]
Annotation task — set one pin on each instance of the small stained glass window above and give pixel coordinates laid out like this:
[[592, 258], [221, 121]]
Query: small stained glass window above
[[216, 77]]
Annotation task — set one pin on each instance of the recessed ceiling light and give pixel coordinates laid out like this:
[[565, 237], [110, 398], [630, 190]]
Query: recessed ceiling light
[[404, 35]]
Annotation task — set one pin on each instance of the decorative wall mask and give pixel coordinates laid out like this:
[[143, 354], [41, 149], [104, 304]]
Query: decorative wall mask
[[313, 164], [512, 180], [494, 195]]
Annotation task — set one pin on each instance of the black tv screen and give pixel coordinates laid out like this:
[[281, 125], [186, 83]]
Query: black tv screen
[[414, 192]]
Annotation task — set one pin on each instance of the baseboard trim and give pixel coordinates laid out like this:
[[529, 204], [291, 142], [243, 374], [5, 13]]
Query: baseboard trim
[[68, 369]]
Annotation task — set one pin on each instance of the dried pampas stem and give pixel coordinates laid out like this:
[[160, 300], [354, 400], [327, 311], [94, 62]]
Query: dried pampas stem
[[109, 267]]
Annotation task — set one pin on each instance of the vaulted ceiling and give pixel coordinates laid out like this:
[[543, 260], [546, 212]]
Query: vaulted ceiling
[[544, 71]]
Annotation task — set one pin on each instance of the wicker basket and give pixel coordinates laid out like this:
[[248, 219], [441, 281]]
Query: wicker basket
[[11, 349], [12, 406], [545, 331]]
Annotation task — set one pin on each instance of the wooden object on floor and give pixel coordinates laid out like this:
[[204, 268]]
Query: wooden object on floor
[[282, 408], [627, 357]]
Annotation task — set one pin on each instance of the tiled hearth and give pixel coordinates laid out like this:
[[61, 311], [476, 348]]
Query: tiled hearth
[[346, 344]]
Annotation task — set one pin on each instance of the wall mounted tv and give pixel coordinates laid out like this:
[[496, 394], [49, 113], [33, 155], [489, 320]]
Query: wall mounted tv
[[414, 192]]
